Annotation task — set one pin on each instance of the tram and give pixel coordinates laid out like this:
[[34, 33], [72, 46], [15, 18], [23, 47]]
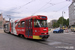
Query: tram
[[33, 27]]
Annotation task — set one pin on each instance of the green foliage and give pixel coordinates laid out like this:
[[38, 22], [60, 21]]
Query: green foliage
[[49, 29], [67, 23], [61, 21], [54, 25]]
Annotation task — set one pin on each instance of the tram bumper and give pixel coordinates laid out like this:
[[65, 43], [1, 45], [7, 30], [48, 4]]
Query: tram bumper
[[44, 36]]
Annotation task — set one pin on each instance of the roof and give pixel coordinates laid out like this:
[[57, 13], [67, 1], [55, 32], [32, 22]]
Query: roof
[[30, 17]]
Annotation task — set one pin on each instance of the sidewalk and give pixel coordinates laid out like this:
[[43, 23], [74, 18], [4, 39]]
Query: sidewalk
[[65, 31], [1, 31], [51, 31]]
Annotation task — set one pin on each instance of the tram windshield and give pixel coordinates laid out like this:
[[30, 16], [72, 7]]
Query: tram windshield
[[40, 23]]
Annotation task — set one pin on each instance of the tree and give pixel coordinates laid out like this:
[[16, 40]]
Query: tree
[[64, 22], [61, 21], [54, 25], [67, 23]]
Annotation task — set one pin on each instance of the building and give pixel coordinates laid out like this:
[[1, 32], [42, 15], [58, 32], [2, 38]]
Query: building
[[2, 21], [73, 0], [72, 13], [53, 21], [50, 24]]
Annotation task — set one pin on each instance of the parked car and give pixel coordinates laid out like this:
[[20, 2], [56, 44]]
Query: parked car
[[64, 27], [73, 28], [58, 30]]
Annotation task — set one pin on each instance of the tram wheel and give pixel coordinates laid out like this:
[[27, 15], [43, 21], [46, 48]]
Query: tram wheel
[[22, 36]]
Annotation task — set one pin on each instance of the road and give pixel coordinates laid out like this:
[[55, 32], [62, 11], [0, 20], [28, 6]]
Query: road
[[64, 40], [61, 41]]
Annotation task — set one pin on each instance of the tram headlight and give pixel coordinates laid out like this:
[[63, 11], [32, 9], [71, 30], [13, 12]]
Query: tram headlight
[[45, 33], [35, 30]]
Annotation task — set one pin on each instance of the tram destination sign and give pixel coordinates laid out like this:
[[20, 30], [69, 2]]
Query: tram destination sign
[[43, 17]]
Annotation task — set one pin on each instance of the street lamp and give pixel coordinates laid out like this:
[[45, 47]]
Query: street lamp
[[9, 17], [62, 17]]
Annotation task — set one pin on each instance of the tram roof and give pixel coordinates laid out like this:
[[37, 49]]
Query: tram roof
[[30, 17]]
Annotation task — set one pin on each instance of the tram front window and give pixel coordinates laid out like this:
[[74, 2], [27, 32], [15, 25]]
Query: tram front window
[[40, 23]]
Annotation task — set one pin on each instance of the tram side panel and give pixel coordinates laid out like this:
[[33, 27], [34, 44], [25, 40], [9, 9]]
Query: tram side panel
[[7, 28]]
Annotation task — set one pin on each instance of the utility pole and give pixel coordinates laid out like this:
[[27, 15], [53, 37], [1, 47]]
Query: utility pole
[[9, 20], [9, 17], [62, 17]]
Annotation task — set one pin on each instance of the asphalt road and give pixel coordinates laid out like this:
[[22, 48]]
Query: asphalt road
[[61, 41]]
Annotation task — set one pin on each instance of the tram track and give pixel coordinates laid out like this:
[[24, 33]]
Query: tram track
[[52, 43], [57, 44]]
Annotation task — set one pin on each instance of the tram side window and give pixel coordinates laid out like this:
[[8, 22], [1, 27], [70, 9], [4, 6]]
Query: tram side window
[[36, 23], [30, 23], [16, 23], [19, 24], [23, 24], [26, 23]]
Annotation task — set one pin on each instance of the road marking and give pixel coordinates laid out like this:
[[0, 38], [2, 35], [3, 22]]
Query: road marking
[[54, 43], [65, 47], [70, 33], [58, 44]]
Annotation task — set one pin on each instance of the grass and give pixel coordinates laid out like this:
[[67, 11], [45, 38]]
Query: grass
[[49, 29]]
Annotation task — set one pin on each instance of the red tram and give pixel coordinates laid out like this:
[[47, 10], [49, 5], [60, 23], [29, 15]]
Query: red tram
[[33, 27]]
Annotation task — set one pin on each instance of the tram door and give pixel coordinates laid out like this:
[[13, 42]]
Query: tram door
[[28, 28], [11, 27], [6, 27]]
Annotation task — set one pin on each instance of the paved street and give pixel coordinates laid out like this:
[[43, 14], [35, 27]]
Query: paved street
[[58, 41], [63, 39]]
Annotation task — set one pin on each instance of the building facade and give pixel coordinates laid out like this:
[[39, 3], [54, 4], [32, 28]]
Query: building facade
[[72, 13], [50, 24], [2, 21]]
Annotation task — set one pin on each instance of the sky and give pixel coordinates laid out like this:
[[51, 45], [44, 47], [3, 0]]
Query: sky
[[17, 9]]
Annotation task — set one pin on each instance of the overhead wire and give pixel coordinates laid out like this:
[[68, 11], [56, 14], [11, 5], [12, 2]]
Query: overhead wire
[[60, 9], [63, 7], [47, 7], [55, 4], [26, 4], [41, 7], [23, 5]]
